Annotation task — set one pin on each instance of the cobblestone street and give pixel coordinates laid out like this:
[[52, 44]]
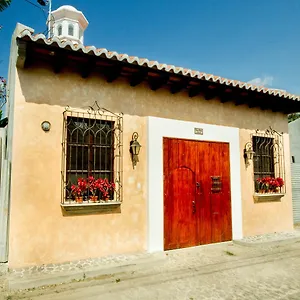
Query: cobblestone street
[[222, 271]]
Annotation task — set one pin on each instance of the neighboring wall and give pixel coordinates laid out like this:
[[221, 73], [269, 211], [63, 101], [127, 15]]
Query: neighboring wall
[[294, 131], [38, 231]]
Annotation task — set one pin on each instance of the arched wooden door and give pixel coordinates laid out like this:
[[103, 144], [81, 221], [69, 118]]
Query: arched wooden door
[[197, 202]]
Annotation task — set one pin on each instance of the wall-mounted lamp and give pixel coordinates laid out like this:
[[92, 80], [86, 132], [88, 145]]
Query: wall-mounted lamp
[[135, 148], [46, 125], [248, 153]]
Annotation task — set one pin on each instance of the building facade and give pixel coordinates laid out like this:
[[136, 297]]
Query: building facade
[[74, 115]]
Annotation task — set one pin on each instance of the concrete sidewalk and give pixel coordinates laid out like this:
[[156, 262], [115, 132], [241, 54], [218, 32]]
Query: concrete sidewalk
[[112, 269], [271, 238], [78, 271], [219, 271]]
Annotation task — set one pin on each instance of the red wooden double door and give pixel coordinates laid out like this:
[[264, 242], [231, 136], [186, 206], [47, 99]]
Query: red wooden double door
[[197, 201]]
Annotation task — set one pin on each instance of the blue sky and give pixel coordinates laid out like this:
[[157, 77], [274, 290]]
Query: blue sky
[[238, 39]]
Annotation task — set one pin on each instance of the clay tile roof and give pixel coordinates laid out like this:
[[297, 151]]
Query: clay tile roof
[[27, 34]]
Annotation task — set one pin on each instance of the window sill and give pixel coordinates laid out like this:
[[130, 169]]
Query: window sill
[[268, 197], [91, 208]]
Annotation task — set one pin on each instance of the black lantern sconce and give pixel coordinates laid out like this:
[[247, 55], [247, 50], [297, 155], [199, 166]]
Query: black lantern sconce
[[248, 153], [135, 148]]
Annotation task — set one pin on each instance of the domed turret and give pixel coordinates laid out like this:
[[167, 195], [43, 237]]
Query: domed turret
[[68, 23]]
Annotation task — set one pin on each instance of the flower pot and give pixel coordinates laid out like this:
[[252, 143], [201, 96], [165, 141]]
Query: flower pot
[[94, 198], [79, 199], [106, 198]]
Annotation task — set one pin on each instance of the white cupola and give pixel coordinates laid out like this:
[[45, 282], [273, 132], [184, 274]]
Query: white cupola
[[68, 23]]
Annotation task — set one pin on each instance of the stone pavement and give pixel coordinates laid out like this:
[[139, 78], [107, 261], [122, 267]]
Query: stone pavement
[[284, 236], [220, 271]]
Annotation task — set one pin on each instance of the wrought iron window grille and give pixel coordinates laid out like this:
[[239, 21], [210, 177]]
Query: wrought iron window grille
[[92, 151], [268, 161]]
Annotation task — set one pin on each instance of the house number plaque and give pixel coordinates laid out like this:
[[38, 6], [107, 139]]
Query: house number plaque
[[198, 131]]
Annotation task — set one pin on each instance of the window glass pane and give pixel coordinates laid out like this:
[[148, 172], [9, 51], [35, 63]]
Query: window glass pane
[[104, 158], [263, 160], [71, 30], [77, 158], [59, 30]]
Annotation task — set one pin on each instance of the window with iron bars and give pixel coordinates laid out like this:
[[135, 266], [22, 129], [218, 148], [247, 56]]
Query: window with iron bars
[[268, 161], [92, 154]]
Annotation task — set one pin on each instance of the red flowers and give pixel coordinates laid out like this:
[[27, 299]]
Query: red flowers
[[80, 188], [280, 181], [269, 184], [92, 186]]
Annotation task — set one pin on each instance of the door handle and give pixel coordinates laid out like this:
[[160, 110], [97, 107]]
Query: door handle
[[194, 206]]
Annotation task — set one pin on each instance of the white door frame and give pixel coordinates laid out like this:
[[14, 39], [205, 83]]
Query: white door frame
[[159, 128]]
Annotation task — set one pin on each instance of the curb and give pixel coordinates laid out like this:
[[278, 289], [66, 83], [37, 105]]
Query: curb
[[38, 280], [268, 243], [3, 269]]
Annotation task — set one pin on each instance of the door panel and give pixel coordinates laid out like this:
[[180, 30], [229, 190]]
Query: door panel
[[226, 194], [215, 187], [197, 207], [203, 168], [181, 225], [179, 194]]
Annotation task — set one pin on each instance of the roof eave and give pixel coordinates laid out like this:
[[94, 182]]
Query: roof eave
[[159, 75]]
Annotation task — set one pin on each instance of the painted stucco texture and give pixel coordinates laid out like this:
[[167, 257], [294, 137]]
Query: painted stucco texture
[[39, 233]]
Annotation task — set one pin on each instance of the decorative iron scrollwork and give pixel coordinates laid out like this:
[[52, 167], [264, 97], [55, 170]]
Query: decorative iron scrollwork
[[92, 148], [268, 161]]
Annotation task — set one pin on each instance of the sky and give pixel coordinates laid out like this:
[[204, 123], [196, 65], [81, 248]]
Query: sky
[[254, 41]]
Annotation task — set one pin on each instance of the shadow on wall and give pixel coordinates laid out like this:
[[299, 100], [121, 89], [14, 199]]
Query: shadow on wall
[[41, 85]]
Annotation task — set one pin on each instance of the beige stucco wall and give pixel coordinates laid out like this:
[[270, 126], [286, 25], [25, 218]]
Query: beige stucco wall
[[265, 217], [39, 233]]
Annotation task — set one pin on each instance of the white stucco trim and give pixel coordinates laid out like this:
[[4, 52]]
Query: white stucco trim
[[159, 128]]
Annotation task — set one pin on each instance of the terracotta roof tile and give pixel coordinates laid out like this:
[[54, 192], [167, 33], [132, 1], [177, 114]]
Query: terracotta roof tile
[[27, 33]]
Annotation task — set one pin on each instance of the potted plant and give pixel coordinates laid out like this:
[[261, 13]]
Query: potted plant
[[93, 188], [269, 184], [79, 189], [262, 185], [276, 184], [105, 188]]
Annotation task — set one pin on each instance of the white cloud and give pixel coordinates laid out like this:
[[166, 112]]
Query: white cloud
[[262, 81]]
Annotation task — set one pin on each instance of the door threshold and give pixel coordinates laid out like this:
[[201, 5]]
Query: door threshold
[[199, 246]]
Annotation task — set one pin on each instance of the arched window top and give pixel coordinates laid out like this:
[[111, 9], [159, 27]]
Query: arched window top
[[59, 30], [71, 30]]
